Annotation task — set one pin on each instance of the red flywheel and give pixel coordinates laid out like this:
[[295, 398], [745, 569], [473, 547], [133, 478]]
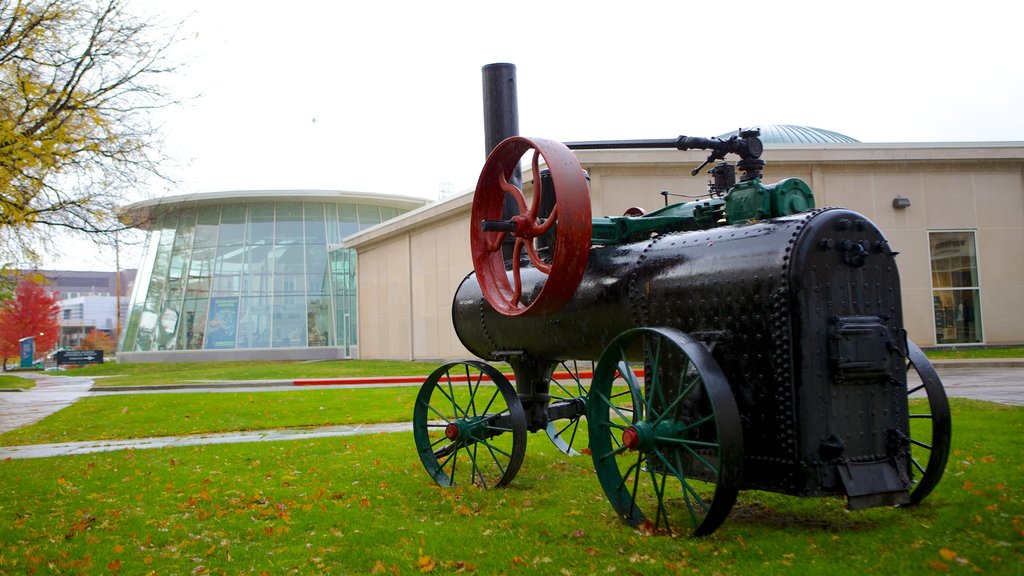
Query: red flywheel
[[570, 218]]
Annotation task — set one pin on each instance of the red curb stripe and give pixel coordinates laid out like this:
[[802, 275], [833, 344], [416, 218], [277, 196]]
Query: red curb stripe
[[370, 380]]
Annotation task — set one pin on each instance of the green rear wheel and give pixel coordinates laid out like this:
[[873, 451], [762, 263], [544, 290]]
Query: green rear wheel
[[469, 426], [667, 448], [569, 389], [931, 428]]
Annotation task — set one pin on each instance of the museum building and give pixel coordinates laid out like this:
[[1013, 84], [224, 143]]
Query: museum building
[[954, 212], [245, 275]]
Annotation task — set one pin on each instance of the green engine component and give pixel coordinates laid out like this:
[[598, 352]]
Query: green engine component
[[745, 202], [751, 200]]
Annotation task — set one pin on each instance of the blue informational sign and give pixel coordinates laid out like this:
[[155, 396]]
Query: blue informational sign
[[221, 329], [27, 347]]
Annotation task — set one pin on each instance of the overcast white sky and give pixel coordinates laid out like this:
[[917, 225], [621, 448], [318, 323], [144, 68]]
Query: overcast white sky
[[386, 96]]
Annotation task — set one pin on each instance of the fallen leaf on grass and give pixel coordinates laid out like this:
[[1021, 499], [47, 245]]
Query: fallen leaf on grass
[[426, 564]]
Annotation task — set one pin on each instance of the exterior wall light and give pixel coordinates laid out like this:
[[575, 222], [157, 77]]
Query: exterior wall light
[[900, 203]]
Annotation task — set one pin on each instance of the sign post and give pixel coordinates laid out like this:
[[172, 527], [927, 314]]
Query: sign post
[[27, 349]]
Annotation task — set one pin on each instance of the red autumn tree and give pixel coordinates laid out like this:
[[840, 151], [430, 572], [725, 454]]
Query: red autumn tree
[[96, 340], [32, 312]]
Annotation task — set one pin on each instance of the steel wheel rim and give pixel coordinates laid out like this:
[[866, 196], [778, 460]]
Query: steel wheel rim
[[932, 440], [564, 434], [469, 426], [671, 446], [571, 216]]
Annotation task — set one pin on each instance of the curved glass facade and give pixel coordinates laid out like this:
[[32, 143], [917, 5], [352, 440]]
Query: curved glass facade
[[239, 275]]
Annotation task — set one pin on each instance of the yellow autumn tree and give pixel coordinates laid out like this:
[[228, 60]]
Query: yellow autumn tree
[[78, 82]]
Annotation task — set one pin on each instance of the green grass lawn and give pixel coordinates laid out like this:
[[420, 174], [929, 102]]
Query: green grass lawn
[[10, 381], [976, 353], [139, 415], [183, 372], [364, 505]]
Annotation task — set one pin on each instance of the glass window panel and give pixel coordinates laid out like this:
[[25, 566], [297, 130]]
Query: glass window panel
[[257, 284], [954, 260], [316, 259], [368, 216], [232, 225], [318, 322], [288, 224], [186, 230], [293, 284], [333, 231], [260, 226], [226, 286], [164, 246], [200, 272], [258, 260], [315, 232], [206, 226], [229, 260], [289, 259], [318, 284], [167, 325], [387, 213], [289, 327], [254, 322], [348, 222], [193, 324], [956, 296]]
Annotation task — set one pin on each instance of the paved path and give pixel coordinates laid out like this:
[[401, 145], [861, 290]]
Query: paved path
[[993, 381], [50, 394], [70, 448], [1003, 385]]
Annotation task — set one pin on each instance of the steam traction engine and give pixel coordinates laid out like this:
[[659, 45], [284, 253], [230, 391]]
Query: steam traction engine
[[747, 340]]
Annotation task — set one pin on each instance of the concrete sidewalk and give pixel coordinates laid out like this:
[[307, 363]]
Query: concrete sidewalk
[[71, 448], [51, 393]]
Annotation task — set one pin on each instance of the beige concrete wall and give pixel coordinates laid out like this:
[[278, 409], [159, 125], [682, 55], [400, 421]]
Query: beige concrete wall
[[406, 312], [406, 281], [385, 307], [440, 260]]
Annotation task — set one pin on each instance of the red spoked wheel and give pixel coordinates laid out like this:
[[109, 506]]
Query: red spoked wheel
[[570, 218]]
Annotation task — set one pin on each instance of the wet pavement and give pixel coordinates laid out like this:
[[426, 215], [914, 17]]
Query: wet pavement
[[994, 381], [51, 393], [88, 447], [994, 384]]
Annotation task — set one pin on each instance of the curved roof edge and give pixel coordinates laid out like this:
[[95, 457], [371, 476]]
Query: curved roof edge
[[138, 213], [793, 134]]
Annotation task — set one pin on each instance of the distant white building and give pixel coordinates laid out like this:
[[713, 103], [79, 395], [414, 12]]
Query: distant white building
[[83, 314], [88, 301]]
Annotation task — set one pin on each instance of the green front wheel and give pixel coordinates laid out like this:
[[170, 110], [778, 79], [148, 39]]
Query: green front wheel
[[469, 426], [667, 448]]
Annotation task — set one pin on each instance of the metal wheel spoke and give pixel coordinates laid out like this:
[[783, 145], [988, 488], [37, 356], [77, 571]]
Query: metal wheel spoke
[[660, 494], [921, 444], [917, 465], [494, 448], [613, 453], [490, 402], [497, 463], [439, 415]]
